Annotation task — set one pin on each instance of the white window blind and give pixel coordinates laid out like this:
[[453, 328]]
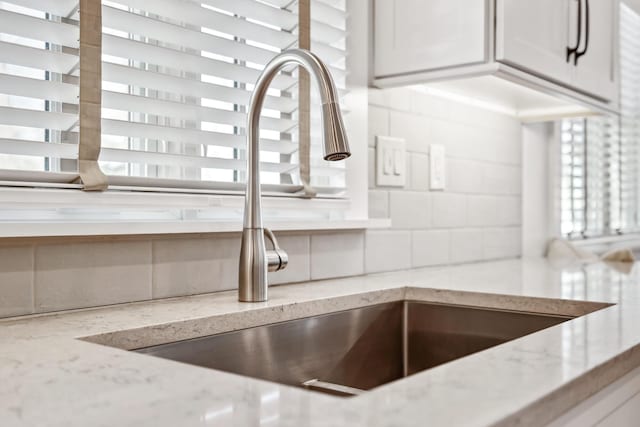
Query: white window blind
[[600, 182], [629, 119], [177, 76], [591, 177], [572, 187], [38, 90]]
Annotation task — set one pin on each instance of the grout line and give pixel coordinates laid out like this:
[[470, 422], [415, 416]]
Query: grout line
[[448, 118], [411, 260], [151, 268], [33, 279], [363, 251]]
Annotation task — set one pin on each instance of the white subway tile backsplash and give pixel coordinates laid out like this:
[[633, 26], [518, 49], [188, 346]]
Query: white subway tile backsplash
[[413, 128], [449, 210], [461, 141], [91, 274], [490, 122], [418, 172], [378, 124], [502, 243], [431, 106], [387, 250], [409, 209], [509, 210], [465, 176], [378, 204], [482, 211], [509, 148], [430, 247], [337, 255], [195, 265], [502, 179], [466, 245], [394, 99], [298, 248], [16, 280]]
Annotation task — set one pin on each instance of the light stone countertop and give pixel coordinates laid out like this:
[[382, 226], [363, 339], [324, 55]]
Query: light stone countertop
[[49, 377]]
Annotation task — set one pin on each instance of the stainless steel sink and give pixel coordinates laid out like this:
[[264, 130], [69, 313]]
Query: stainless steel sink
[[349, 352]]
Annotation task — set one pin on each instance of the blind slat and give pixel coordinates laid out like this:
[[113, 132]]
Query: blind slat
[[38, 29], [141, 25], [57, 7], [142, 104], [256, 10], [154, 158], [189, 136], [37, 119], [41, 59], [144, 52], [38, 148], [39, 89], [188, 87], [211, 19]]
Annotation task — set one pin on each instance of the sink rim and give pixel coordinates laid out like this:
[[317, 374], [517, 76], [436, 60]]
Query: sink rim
[[259, 374], [248, 315]]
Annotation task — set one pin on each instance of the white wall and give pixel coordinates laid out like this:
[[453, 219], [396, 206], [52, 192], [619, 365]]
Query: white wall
[[539, 212]]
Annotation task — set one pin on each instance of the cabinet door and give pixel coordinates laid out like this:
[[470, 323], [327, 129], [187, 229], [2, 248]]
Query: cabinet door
[[534, 36], [422, 35], [596, 70], [625, 415]]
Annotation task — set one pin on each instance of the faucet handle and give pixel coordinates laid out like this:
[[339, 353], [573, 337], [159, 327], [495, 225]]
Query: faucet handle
[[277, 259]]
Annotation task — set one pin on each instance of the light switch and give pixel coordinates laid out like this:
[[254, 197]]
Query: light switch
[[387, 158], [398, 162], [390, 161], [437, 162]]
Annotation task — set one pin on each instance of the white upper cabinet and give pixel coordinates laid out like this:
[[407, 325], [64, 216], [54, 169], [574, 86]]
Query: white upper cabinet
[[534, 35], [597, 65], [568, 41], [416, 35], [566, 50]]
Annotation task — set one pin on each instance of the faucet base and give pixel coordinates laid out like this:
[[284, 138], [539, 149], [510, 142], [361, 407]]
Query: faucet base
[[252, 285]]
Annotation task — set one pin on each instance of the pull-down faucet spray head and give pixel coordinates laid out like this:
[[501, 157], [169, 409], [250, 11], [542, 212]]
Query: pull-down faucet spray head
[[336, 146]]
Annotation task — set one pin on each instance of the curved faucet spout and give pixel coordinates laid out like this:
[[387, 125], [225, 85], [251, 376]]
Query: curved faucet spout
[[253, 255], [336, 146]]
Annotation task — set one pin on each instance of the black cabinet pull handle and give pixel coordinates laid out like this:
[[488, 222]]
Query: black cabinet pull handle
[[574, 50], [578, 54]]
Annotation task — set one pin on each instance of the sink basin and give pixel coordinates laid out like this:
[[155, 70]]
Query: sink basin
[[349, 352]]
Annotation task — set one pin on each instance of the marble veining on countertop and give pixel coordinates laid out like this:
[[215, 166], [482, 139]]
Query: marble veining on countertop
[[72, 369]]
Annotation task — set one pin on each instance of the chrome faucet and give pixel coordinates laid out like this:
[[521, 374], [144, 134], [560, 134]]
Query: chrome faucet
[[255, 260]]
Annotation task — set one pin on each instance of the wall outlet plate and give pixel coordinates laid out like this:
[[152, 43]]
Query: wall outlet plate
[[391, 162], [437, 163]]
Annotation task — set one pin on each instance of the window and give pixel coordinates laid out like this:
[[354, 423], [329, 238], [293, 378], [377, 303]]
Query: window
[[38, 91], [176, 80], [591, 177], [600, 176]]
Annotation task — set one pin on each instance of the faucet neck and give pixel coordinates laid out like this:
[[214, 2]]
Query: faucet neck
[[317, 69]]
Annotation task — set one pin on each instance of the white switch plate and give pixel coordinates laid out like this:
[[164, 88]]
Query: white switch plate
[[437, 165], [391, 170]]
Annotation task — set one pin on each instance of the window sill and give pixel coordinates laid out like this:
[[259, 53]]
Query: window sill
[[106, 228], [605, 243], [49, 212]]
